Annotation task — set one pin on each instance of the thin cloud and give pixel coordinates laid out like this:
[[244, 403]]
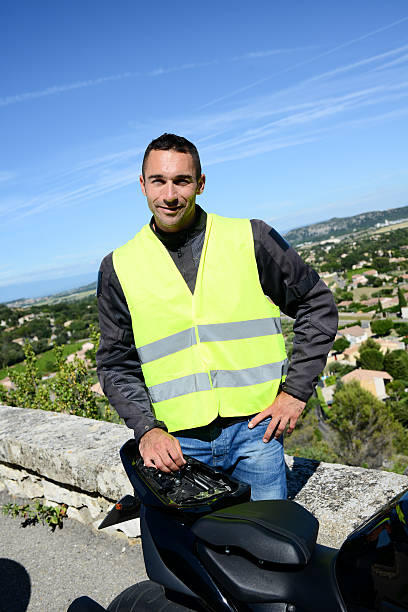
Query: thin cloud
[[6, 175], [161, 71], [58, 89], [302, 63], [269, 53]]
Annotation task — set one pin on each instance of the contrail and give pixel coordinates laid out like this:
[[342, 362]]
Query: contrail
[[57, 89], [303, 63]]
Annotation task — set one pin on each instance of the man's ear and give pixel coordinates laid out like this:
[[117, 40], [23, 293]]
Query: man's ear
[[200, 184], [142, 184]]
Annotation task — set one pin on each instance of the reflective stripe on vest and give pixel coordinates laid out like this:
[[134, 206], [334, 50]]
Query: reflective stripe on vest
[[208, 333], [217, 351]]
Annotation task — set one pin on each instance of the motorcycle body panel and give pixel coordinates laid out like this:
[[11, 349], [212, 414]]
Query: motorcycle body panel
[[372, 564]]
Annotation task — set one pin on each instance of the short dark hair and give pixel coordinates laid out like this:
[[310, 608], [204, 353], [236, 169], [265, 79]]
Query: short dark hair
[[168, 142]]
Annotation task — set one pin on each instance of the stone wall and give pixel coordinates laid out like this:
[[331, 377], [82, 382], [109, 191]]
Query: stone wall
[[60, 458]]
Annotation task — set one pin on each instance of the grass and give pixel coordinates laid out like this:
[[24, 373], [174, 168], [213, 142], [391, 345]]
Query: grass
[[357, 293], [45, 361]]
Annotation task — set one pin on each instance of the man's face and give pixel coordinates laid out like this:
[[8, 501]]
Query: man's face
[[171, 186]]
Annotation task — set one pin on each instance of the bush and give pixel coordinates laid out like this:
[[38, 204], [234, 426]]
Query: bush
[[371, 359], [364, 425], [396, 364], [340, 345], [381, 327]]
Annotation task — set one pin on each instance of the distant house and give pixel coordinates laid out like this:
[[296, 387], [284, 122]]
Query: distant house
[[404, 312], [358, 279], [351, 353], [27, 317], [371, 272], [388, 302], [390, 343], [370, 302], [370, 380], [355, 334], [328, 393]]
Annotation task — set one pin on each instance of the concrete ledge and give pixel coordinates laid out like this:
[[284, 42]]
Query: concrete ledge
[[73, 460]]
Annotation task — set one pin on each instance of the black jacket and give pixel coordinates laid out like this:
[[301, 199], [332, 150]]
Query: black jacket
[[285, 278]]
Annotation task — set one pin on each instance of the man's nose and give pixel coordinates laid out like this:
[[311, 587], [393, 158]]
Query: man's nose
[[170, 194]]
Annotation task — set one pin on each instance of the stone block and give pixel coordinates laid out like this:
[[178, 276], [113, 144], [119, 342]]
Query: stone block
[[14, 487], [79, 514], [12, 473], [32, 487]]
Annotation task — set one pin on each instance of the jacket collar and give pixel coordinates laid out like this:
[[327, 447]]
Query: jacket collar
[[178, 239]]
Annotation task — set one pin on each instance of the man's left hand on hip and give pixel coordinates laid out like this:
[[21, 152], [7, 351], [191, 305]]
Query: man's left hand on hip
[[284, 412]]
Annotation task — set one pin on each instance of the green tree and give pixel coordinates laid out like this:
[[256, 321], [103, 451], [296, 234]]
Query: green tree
[[371, 359], [340, 345], [369, 344], [396, 364], [28, 392], [396, 390], [364, 426], [400, 412], [401, 298], [381, 327], [71, 388]]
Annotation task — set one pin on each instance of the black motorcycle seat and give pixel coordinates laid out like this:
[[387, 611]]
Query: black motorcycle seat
[[278, 531]]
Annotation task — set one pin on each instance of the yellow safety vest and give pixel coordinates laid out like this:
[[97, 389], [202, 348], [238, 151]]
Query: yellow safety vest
[[219, 351]]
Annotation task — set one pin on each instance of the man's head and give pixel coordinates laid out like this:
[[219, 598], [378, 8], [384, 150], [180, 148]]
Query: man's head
[[171, 179]]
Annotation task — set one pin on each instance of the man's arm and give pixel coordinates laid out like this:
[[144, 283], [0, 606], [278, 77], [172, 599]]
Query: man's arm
[[121, 376], [301, 294]]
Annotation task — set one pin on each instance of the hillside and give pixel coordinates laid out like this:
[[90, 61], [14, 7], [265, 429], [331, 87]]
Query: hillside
[[64, 296], [338, 226]]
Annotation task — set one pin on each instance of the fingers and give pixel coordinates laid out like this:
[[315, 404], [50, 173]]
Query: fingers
[[284, 413], [161, 450], [259, 417], [275, 428]]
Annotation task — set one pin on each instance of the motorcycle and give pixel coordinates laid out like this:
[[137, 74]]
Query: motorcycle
[[208, 548]]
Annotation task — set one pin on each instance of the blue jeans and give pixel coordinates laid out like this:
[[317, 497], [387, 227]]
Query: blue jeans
[[240, 452]]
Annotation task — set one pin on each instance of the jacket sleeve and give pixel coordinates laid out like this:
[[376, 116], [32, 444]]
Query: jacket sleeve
[[118, 363], [300, 293]]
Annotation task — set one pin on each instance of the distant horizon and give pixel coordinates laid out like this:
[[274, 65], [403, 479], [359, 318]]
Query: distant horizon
[[50, 286]]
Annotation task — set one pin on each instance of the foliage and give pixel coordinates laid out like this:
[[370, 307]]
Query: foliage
[[50, 515], [396, 389], [10, 352], [45, 361], [27, 392], [371, 359], [364, 425], [307, 440], [94, 337], [400, 411], [381, 327], [396, 364], [340, 368], [71, 388], [369, 344], [401, 328], [69, 391], [340, 345], [402, 302]]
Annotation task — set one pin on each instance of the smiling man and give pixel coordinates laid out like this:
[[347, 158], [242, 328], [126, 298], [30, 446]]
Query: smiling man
[[192, 354]]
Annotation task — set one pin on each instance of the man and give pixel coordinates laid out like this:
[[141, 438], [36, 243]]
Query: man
[[191, 354]]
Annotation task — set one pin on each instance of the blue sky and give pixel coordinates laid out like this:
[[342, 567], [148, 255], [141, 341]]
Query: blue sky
[[299, 111]]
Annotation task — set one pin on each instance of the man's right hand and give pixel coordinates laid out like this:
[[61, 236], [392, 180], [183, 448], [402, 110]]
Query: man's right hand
[[161, 450]]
